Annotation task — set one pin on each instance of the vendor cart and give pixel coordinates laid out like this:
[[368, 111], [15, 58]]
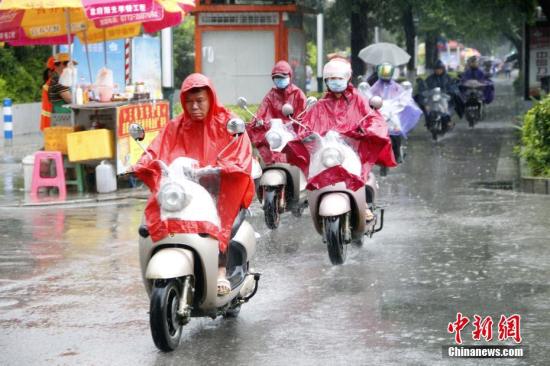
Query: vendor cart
[[95, 123]]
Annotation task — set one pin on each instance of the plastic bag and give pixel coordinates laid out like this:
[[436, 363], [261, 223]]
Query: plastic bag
[[104, 84], [105, 77], [68, 76], [331, 150], [279, 134]]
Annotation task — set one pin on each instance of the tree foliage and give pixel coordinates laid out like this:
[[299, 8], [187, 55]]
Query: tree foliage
[[21, 72], [480, 24], [535, 138], [184, 50]]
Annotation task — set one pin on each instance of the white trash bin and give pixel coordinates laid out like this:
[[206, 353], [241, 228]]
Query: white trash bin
[[28, 166], [105, 177]]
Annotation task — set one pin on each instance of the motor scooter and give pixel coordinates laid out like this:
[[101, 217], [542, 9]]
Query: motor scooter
[[281, 187], [438, 117], [180, 271], [338, 195], [472, 92], [400, 113]]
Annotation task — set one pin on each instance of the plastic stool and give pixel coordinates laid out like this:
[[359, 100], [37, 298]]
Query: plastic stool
[[78, 172], [57, 181]]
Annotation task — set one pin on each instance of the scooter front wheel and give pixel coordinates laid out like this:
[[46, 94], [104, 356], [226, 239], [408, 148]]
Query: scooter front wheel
[[164, 320], [271, 208], [334, 234]]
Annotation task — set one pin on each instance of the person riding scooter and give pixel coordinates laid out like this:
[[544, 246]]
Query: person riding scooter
[[399, 109], [473, 72], [345, 111], [200, 133], [283, 92], [440, 79]]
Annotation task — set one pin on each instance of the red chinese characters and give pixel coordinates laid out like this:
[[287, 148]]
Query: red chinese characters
[[509, 328], [457, 326], [483, 328]]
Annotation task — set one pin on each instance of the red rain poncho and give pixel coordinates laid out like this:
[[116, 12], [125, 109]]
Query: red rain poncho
[[202, 141], [271, 107], [343, 115]]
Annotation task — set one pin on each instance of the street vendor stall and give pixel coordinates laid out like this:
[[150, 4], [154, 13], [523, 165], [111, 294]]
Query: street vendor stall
[[93, 131], [114, 117]]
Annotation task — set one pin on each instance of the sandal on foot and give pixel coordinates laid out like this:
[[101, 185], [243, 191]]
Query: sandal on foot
[[224, 287], [369, 216]]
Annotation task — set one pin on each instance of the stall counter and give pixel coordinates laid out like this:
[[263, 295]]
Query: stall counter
[[117, 116]]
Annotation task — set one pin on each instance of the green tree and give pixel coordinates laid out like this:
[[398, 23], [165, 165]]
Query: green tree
[[311, 50], [21, 71], [184, 50]]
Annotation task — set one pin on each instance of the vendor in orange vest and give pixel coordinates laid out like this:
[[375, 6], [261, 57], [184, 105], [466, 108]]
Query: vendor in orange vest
[[60, 95], [46, 112]]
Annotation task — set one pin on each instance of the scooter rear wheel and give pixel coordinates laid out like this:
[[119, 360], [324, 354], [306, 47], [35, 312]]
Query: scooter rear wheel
[[334, 234], [164, 321], [271, 208]]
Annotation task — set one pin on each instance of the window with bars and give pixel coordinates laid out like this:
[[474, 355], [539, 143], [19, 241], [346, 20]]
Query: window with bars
[[238, 18]]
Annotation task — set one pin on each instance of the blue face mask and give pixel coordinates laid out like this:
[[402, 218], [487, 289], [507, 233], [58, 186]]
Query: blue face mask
[[337, 85], [281, 83]]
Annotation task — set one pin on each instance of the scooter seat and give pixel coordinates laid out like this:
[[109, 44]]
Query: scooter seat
[[238, 222]]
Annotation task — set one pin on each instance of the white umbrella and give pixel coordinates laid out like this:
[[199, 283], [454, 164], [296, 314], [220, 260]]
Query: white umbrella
[[378, 53]]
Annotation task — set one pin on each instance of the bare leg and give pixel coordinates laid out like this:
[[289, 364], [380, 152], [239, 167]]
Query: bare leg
[[224, 287]]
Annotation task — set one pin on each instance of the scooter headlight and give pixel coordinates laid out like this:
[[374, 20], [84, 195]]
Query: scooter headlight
[[172, 197], [331, 157], [436, 97], [274, 139]]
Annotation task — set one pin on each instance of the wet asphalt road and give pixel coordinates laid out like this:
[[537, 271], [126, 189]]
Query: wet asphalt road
[[71, 293]]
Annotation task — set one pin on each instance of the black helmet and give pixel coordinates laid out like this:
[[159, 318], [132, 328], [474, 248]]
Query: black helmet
[[439, 65]]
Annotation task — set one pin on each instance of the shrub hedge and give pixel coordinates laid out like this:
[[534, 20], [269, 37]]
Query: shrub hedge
[[535, 138]]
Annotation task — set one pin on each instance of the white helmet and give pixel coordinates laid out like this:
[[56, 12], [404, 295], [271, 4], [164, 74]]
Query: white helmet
[[337, 68]]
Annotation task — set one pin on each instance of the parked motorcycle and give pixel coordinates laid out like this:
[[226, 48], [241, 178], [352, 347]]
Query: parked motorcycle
[[180, 271], [472, 91], [281, 187], [438, 117]]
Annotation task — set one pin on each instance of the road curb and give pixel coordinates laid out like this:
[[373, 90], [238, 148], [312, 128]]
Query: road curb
[[530, 184], [96, 199]]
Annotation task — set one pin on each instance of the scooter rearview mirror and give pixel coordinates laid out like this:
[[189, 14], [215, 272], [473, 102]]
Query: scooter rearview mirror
[[406, 85], [363, 86], [310, 102], [235, 126], [242, 102], [137, 132], [287, 110], [376, 102]]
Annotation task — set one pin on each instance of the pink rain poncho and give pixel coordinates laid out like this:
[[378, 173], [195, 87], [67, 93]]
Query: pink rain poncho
[[271, 107], [202, 141], [346, 115]]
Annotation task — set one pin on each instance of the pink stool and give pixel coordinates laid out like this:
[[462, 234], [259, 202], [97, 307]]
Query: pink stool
[[57, 181]]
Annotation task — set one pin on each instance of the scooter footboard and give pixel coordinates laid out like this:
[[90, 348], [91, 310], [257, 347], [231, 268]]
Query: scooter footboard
[[247, 238], [170, 263]]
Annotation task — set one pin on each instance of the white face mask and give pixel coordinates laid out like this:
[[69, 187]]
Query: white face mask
[[337, 85], [281, 83]]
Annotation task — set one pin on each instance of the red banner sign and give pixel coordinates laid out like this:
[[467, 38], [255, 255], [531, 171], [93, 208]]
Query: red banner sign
[[151, 116]]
